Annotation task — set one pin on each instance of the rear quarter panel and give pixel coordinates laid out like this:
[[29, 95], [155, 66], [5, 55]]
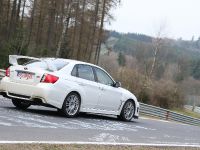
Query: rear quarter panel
[[62, 88]]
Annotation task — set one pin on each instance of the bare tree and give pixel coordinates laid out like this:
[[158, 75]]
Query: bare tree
[[64, 30]]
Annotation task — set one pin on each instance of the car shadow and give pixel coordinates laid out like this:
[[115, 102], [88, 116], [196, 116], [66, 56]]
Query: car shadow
[[51, 112]]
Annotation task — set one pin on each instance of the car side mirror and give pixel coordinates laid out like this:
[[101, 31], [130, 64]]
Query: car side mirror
[[117, 84]]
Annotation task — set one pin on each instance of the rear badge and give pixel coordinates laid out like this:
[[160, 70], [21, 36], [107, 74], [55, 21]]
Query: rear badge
[[25, 68]]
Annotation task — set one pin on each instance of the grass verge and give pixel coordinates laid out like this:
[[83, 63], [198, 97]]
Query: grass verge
[[187, 112], [87, 147]]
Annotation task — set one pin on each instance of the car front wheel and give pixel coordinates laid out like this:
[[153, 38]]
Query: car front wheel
[[71, 105], [127, 112], [21, 104]]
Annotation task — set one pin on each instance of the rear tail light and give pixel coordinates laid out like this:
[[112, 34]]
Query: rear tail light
[[48, 78], [8, 72]]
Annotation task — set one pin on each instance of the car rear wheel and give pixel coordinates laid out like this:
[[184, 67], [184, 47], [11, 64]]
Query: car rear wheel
[[71, 105], [21, 104], [127, 112]]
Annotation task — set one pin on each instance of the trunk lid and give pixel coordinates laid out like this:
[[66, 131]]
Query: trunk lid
[[26, 75]]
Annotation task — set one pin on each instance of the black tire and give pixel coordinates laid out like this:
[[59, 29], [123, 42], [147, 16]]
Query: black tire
[[21, 104], [124, 116], [74, 100]]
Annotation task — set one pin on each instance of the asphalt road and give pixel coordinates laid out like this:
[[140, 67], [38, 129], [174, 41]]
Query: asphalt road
[[45, 124]]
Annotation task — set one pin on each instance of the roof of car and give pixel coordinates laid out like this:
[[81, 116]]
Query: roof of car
[[78, 62], [73, 61]]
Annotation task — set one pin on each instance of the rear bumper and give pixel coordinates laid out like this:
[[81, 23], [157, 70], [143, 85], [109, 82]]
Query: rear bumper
[[41, 91], [23, 91]]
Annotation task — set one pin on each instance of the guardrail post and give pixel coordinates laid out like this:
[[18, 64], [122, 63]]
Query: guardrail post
[[167, 115]]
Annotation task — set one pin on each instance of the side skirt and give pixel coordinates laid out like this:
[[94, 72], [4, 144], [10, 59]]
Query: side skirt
[[97, 111]]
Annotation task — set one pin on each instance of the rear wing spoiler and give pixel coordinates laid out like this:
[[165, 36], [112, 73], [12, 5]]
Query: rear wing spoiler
[[13, 60]]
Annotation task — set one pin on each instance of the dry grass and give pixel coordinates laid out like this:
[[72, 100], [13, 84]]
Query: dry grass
[[187, 113], [88, 147]]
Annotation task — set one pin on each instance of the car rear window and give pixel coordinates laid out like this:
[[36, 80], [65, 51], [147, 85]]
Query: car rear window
[[37, 64], [57, 63]]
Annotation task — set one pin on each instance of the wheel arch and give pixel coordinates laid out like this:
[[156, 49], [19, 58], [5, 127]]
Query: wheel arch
[[64, 105], [132, 101], [121, 115], [74, 91], [129, 99]]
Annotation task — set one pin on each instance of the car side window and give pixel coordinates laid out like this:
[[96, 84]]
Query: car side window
[[74, 71], [86, 72], [103, 77]]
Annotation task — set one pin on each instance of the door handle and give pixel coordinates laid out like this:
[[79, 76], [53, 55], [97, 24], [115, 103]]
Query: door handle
[[81, 84]]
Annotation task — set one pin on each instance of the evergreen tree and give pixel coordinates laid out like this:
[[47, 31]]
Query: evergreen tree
[[121, 59], [196, 70]]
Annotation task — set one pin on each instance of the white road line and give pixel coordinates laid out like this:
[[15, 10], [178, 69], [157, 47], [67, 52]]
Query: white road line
[[101, 143]]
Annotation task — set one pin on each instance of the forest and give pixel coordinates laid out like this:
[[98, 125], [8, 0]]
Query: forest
[[53, 28]]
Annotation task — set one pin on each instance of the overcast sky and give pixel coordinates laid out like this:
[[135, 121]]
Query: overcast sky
[[180, 18]]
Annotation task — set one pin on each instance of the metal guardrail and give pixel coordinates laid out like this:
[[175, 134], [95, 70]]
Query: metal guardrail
[[2, 73], [165, 114]]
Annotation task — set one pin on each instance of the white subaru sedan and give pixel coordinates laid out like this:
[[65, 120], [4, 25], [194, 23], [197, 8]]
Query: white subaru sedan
[[70, 86]]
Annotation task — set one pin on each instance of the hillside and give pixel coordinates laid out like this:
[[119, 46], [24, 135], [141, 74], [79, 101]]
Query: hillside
[[171, 51], [128, 43]]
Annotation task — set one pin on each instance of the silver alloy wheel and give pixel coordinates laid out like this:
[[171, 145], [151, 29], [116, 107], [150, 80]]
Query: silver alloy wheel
[[129, 110], [72, 104]]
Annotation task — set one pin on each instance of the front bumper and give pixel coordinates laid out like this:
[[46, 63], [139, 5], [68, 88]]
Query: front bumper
[[137, 110]]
